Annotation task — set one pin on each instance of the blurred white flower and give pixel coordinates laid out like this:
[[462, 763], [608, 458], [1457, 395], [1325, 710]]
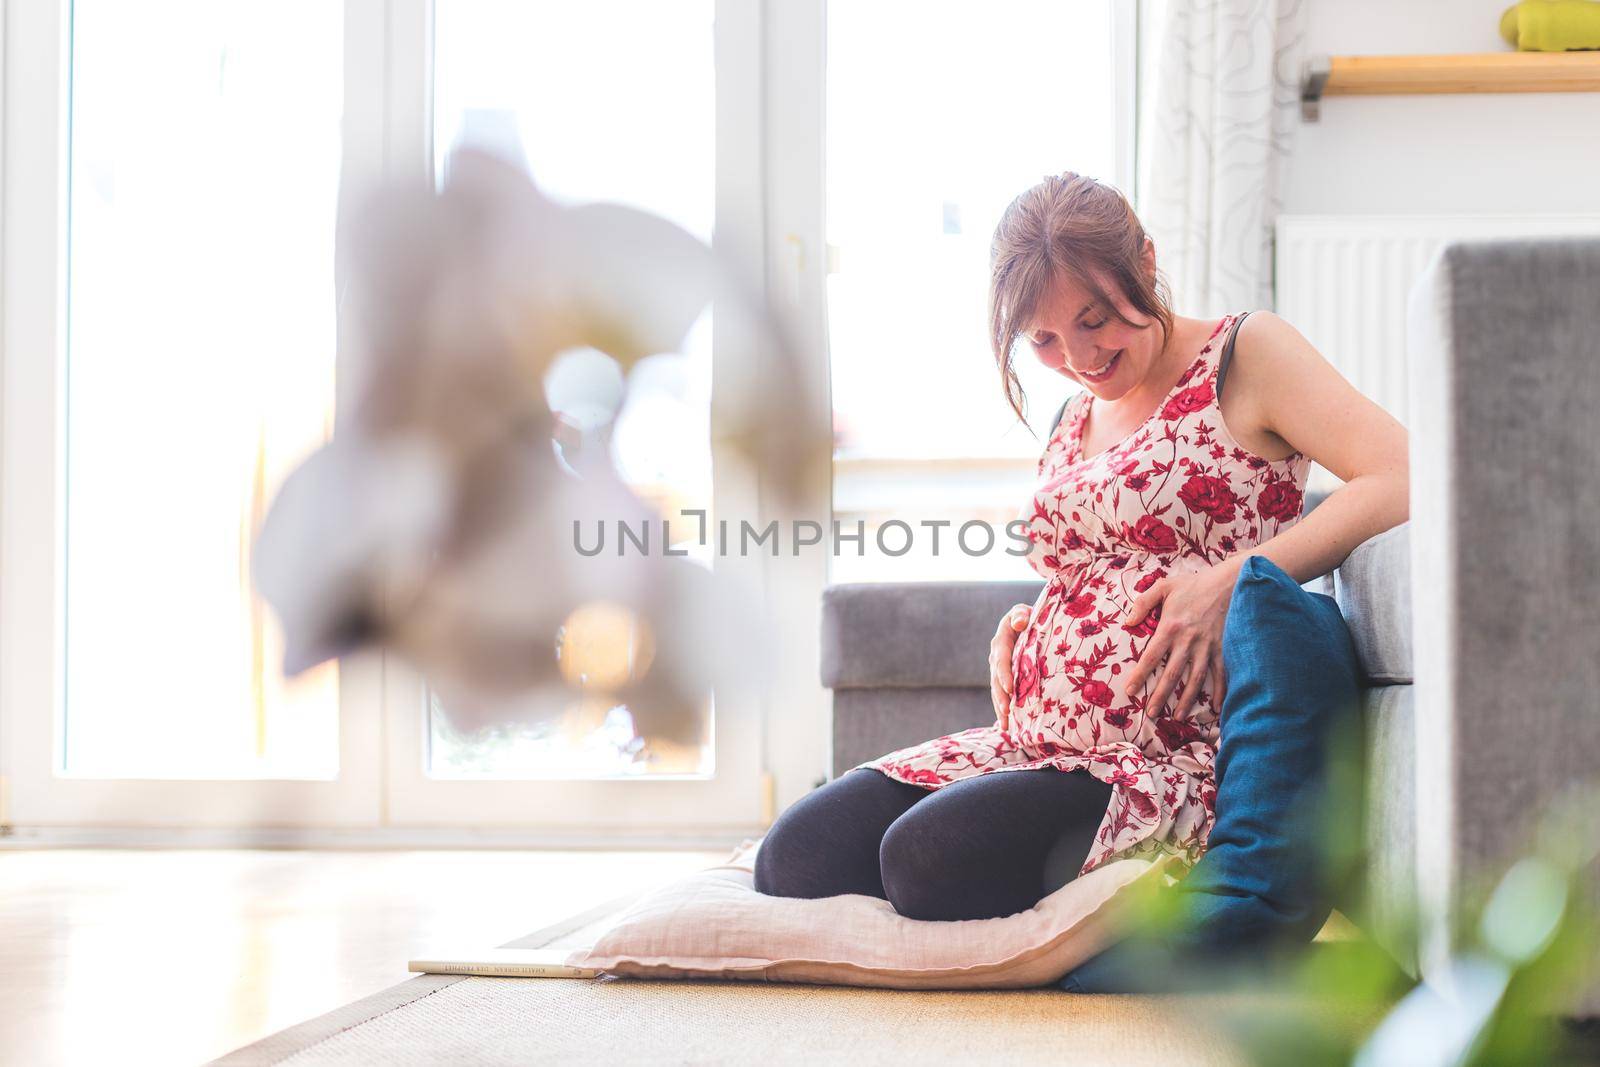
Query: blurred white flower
[[439, 521], [356, 514]]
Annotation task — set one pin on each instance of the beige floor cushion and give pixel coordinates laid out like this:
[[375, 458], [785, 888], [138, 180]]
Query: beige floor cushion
[[713, 924]]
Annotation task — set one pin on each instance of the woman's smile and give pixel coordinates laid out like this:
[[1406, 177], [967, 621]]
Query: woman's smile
[[1104, 371]]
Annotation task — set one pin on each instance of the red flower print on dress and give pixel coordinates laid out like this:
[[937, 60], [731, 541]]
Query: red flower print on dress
[[1280, 501], [1145, 626], [1119, 718], [1143, 803], [1079, 605], [1175, 733], [1150, 579], [1153, 535], [1195, 398], [1137, 482], [1096, 692], [1027, 676], [1208, 495]]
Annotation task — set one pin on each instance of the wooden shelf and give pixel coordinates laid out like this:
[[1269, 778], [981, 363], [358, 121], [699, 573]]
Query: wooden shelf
[[1489, 72]]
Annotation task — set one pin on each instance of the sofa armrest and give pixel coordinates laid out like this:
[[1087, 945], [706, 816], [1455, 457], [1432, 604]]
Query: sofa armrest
[[1373, 588], [1505, 364]]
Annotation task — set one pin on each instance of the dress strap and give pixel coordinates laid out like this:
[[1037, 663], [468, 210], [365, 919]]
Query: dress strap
[[1055, 423], [1227, 353]]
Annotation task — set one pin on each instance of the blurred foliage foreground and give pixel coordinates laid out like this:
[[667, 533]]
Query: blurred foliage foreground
[[1508, 990]]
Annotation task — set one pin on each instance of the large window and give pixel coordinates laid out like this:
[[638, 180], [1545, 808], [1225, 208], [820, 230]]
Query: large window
[[596, 115], [200, 368], [935, 122], [174, 176]]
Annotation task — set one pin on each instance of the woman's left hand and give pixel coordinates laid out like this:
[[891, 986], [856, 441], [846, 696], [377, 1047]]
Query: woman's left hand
[[1188, 634]]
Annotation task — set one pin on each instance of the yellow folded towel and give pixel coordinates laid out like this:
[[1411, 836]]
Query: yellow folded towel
[[1552, 25]]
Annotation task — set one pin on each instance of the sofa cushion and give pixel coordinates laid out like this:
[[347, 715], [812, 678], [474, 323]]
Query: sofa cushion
[[1386, 907], [714, 924], [1273, 861], [870, 722], [1373, 588], [914, 634]]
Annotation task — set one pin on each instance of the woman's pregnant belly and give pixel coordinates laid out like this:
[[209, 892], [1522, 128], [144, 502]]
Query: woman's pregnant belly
[[1071, 659]]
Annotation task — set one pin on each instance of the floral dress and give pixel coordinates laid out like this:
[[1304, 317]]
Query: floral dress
[[1175, 496]]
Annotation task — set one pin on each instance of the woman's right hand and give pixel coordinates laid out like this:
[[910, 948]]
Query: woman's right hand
[[1000, 649]]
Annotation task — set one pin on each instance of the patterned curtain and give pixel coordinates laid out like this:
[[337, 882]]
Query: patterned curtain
[[1215, 136]]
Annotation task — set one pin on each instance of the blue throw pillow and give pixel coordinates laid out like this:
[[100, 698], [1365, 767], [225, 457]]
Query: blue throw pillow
[[1287, 826]]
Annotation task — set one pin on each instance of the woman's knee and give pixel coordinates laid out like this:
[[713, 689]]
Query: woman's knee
[[922, 877], [826, 843], [985, 849], [785, 863]]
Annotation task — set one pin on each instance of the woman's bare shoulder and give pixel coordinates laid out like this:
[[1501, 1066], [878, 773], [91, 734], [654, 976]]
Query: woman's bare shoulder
[[1277, 361], [1289, 392], [1261, 372]]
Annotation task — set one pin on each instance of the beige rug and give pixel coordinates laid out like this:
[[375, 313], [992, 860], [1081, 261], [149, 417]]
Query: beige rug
[[446, 1019]]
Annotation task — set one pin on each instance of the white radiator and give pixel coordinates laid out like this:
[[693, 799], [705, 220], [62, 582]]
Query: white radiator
[[1343, 281]]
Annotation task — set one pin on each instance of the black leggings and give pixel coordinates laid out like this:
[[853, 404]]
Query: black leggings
[[979, 848]]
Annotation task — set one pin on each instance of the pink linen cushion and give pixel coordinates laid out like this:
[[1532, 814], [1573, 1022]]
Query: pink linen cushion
[[713, 924]]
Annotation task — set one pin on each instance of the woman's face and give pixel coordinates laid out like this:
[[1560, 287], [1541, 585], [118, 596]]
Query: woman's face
[[1075, 335]]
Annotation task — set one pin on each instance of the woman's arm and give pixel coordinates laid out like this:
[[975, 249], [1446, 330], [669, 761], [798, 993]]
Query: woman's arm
[[1289, 391]]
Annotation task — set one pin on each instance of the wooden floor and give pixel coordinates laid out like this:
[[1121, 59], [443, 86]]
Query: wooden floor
[[180, 956]]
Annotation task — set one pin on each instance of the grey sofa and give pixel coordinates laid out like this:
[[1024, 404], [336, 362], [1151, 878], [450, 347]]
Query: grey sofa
[[1483, 672]]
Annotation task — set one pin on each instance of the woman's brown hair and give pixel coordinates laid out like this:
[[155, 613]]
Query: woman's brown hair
[[1067, 225]]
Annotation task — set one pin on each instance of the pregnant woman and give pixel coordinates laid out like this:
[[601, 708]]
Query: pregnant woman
[[1153, 488]]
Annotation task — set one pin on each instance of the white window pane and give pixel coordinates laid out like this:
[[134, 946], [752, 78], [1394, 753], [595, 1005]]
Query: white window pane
[[610, 100], [204, 170], [984, 101]]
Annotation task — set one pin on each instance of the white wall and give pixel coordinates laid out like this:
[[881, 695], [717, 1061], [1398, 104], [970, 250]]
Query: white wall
[[1478, 152]]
